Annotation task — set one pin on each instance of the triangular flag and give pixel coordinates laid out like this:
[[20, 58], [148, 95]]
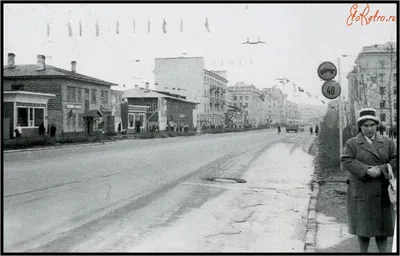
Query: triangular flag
[[207, 26], [301, 89], [181, 25], [164, 26], [97, 28], [69, 29], [80, 28], [134, 26], [148, 25], [323, 101], [117, 28], [294, 87], [309, 95], [48, 29]]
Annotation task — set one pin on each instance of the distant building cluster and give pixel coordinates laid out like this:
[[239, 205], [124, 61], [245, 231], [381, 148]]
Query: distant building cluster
[[186, 96]]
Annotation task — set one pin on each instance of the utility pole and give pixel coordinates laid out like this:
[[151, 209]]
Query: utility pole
[[340, 116]]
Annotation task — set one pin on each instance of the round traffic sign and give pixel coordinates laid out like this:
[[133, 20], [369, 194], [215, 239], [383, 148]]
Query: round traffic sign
[[331, 90], [327, 71]]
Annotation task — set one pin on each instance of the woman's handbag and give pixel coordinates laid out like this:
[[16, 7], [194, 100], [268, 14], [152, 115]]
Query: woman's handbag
[[392, 189]]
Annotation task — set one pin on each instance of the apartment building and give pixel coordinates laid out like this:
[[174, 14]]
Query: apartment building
[[251, 100], [373, 82], [188, 77]]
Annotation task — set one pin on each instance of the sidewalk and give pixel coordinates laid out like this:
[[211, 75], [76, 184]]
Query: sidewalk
[[332, 232]]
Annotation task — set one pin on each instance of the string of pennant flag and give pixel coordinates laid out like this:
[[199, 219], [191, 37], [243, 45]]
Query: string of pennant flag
[[117, 27], [285, 81]]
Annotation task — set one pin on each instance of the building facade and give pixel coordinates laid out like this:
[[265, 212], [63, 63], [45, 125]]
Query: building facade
[[143, 109], [188, 77], [78, 98], [373, 82], [251, 100]]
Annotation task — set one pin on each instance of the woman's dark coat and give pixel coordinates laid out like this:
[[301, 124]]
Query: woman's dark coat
[[369, 209]]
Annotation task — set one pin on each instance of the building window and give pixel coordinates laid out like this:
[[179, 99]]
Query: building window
[[234, 97], [104, 96], [395, 78], [246, 97], [71, 94], [395, 91], [30, 116], [382, 90], [79, 95], [246, 105], [235, 104], [383, 117], [39, 116], [131, 120], [94, 96], [382, 104], [381, 76], [241, 97]]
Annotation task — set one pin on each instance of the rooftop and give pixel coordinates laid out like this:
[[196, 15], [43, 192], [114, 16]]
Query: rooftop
[[29, 71], [148, 93]]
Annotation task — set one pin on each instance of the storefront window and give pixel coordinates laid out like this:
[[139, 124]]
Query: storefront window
[[30, 116], [39, 116], [23, 117]]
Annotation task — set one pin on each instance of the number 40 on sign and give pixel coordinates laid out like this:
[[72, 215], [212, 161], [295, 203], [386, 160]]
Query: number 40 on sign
[[331, 90]]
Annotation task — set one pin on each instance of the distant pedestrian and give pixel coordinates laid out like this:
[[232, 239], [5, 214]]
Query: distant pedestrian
[[366, 156], [53, 131], [18, 131], [279, 129], [119, 127], [316, 130], [311, 130], [42, 130]]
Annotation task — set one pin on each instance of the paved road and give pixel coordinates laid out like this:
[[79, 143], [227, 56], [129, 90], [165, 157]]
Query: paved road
[[63, 199]]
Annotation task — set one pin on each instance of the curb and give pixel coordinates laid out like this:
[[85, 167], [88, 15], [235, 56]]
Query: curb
[[88, 144], [57, 147], [312, 225]]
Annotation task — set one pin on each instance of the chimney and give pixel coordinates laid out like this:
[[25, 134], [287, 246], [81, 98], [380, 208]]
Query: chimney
[[11, 60], [147, 85], [41, 62], [73, 66]]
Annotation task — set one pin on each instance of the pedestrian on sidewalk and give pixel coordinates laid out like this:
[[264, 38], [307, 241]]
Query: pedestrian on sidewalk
[[279, 129], [366, 156]]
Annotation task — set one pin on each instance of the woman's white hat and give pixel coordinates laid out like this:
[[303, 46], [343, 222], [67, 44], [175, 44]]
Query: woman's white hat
[[367, 114]]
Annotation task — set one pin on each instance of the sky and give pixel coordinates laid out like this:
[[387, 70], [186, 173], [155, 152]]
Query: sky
[[298, 37]]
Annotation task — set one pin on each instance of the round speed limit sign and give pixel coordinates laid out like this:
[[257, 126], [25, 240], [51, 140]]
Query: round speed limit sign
[[331, 90]]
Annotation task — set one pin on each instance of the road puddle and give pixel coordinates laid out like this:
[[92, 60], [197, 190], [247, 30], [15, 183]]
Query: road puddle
[[330, 232]]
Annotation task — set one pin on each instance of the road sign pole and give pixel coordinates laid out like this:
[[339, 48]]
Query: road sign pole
[[340, 115]]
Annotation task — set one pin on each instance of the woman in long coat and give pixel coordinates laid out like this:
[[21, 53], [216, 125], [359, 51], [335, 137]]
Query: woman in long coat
[[366, 156]]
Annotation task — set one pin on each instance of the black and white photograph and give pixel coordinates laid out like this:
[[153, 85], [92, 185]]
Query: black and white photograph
[[199, 127]]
